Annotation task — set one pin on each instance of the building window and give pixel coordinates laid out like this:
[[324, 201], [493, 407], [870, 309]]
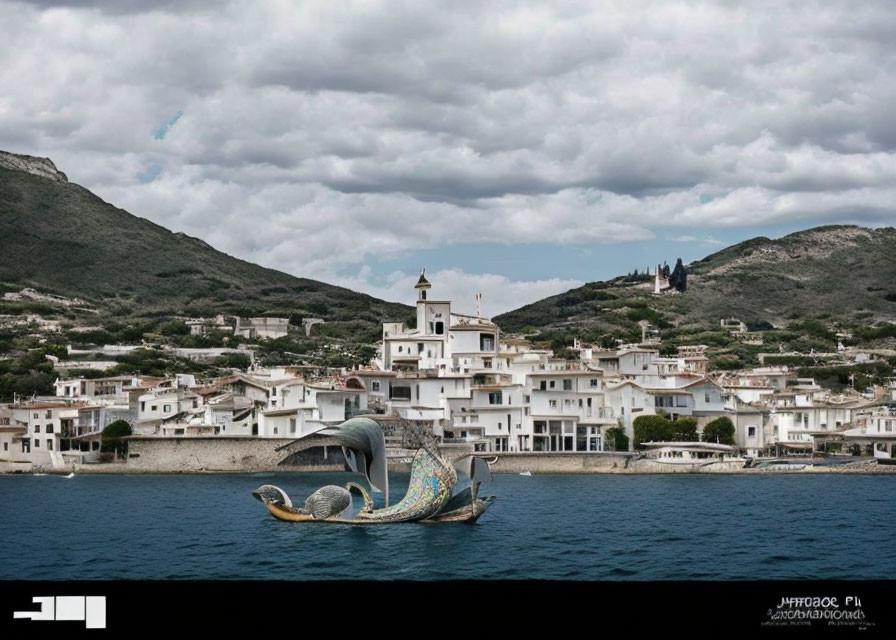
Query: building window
[[6, 446], [552, 404], [36, 443], [49, 414], [166, 408], [543, 385], [567, 385], [37, 428], [274, 391], [36, 416], [143, 406], [49, 428], [751, 432], [440, 328], [552, 385], [593, 382], [400, 348], [49, 444], [399, 393], [154, 407], [494, 397], [419, 347], [275, 430], [374, 386], [706, 397], [486, 342]]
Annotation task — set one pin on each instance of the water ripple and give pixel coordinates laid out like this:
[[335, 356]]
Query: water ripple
[[541, 527]]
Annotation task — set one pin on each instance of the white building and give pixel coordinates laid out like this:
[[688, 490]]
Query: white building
[[507, 396], [442, 341], [39, 442]]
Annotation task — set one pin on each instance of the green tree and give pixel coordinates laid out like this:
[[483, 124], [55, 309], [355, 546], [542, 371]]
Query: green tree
[[685, 429], [616, 439], [174, 328], [651, 429], [113, 437], [566, 354], [720, 430]]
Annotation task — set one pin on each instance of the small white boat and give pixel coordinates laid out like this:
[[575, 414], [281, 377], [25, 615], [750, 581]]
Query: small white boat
[[525, 473], [669, 457], [71, 475]]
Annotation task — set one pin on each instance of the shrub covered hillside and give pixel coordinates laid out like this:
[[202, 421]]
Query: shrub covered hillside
[[796, 289], [59, 238]]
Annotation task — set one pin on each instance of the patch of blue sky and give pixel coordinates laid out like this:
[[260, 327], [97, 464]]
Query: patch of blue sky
[[149, 174], [163, 129], [587, 262]]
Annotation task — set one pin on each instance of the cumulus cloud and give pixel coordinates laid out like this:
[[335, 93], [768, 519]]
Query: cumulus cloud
[[499, 293], [315, 137], [696, 240]]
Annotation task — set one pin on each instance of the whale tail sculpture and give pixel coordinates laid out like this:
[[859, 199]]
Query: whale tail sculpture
[[439, 490]]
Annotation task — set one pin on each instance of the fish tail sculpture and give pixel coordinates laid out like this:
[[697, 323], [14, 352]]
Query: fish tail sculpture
[[439, 490]]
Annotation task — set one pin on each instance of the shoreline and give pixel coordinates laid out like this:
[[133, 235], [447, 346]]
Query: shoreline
[[858, 468]]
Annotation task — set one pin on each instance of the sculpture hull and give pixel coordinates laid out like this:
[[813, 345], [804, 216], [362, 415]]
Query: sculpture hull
[[439, 490], [468, 514]]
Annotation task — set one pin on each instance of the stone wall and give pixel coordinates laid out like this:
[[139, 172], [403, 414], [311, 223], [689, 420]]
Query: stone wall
[[559, 462], [155, 454]]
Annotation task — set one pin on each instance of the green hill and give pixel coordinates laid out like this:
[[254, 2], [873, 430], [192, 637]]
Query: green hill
[[58, 237], [826, 277]]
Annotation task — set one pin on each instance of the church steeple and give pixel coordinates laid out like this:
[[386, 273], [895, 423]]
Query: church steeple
[[422, 286]]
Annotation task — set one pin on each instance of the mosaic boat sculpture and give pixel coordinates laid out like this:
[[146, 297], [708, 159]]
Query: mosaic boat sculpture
[[440, 490]]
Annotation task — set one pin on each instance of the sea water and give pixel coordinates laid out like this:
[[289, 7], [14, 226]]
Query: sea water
[[594, 527]]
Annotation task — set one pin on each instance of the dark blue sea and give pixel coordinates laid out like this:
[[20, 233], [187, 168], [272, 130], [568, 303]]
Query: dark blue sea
[[600, 527]]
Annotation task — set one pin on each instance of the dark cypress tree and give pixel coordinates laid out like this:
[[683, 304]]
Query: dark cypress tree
[[679, 277]]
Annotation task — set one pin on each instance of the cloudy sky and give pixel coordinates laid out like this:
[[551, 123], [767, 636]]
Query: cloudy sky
[[513, 148]]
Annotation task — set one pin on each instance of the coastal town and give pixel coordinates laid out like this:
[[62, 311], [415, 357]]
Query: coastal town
[[458, 380]]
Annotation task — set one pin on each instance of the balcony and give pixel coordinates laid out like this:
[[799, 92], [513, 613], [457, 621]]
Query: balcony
[[79, 430]]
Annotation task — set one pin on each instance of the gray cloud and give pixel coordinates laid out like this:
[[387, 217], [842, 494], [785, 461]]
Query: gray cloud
[[317, 135]]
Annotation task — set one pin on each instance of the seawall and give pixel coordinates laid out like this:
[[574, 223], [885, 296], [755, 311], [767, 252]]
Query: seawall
[[159, 454], [558, 462], [156, 454]]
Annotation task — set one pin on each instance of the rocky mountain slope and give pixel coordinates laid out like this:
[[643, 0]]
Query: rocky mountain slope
[[59, 238], [843, 275]]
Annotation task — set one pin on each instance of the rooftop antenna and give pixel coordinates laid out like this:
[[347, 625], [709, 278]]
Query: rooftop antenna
[[479, 305]]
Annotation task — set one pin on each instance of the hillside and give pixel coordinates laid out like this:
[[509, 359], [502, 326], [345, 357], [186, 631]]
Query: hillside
[[58, 237], [836, 275]]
